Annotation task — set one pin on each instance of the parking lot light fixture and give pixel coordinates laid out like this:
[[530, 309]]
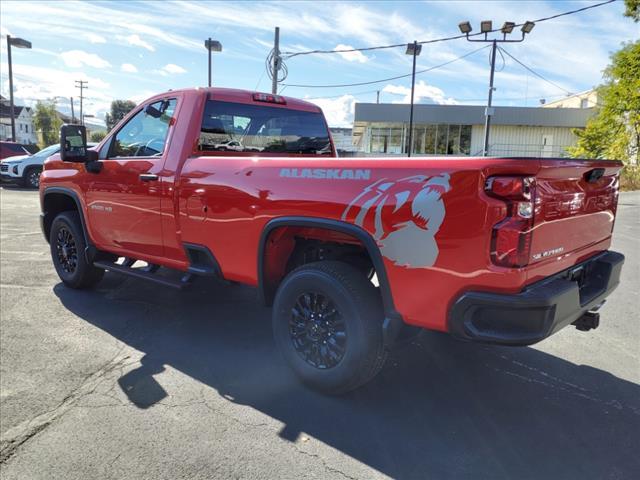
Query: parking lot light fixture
[[527, 27], [465, 27], [486, 27], [507, 27]]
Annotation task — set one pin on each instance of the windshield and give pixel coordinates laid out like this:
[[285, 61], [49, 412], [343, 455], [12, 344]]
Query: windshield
[[47, 152], [239, 127]]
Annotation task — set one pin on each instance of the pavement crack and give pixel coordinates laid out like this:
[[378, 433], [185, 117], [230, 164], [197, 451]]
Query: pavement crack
[[25, 431], [327, 467]]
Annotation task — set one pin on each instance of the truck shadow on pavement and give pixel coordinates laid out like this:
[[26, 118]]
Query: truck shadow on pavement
[[441, 408]]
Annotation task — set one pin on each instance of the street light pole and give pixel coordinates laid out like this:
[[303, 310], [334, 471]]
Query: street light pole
[[209, 50], [486, 28], [412, 49], [18, 43], [212, 46], [489, 110]]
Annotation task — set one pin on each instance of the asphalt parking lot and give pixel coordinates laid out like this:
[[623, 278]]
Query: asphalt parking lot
[[135, 381]]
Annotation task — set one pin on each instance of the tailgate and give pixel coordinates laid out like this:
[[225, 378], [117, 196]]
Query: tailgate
[[575, 206]]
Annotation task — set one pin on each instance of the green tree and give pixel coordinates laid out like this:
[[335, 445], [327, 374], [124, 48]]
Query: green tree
[[97, 136], [47, 122], [119, 109], [632, 9], [614, 132]]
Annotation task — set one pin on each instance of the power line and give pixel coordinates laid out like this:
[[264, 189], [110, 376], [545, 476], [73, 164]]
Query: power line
[[445, 39], [387, 79], [531, 70]]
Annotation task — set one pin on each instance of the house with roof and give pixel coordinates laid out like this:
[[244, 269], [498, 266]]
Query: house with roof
[[25, 132]]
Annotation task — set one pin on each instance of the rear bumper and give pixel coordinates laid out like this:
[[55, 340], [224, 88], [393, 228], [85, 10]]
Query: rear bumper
[[540, 309]]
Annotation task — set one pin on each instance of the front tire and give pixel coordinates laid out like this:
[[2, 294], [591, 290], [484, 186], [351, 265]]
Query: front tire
[[32, 177], [67, 245], [327, 322]]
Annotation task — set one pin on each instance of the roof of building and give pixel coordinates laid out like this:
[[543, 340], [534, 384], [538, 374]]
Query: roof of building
[[5, 110], [472, 115]]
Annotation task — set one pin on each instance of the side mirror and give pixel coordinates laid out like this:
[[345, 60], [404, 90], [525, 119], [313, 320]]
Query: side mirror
[[73, 143]]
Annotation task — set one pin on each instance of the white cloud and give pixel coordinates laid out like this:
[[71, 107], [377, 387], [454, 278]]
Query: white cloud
[[424, 93], [95, 38], [129, 68], [170, 69], [338, 111], [173, 68], [79, 58], [351, 56], [36, 82], [136, 41]]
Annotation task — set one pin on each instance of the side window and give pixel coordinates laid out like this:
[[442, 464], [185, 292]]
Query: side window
[[145, 134]]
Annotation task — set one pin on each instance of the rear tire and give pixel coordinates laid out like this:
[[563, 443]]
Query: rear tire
[[67, 245], [327, 322]]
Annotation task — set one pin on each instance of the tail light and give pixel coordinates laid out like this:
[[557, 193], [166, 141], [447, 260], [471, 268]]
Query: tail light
[[511, 238]]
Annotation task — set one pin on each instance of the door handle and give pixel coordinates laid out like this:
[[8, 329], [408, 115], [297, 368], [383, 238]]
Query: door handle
[[148, 177]]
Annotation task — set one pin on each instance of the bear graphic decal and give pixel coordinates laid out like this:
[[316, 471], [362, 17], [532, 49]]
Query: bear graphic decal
[[404, 216]]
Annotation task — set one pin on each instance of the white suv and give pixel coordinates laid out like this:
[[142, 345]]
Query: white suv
[[25, 170]]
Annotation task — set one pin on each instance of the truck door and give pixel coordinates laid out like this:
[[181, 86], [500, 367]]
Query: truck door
[[123, 199]]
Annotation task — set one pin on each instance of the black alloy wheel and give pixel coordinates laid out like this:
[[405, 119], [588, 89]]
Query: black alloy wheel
[[317, 330], [67, 250], [327, 322]]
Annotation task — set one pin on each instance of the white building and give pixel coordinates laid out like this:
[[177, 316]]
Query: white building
[[586, 99], [382, 129], [23, 117], [343, 139]]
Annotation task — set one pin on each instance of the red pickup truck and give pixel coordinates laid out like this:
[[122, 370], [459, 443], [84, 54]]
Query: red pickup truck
[[353, 253]]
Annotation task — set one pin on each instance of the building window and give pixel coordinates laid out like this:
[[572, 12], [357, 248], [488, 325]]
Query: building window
[[429, 139], [465, 139], [26, 128], [441, 139], [584, 103]]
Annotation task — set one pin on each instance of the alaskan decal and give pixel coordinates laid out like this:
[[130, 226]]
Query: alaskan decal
[[326, 173], [403, 216]]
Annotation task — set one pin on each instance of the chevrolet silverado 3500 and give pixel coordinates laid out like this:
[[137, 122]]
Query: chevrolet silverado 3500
[[351, 252]]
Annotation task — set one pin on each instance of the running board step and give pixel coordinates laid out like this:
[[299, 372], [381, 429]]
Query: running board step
[[146, 273]]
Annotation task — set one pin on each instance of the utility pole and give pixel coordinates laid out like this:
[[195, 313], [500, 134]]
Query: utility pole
[[73, 116], [486, 27], [378, 96], [81, 84], [276, 62], [412, 49]]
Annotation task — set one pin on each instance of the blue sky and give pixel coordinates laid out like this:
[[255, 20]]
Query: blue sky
[[131, 50]]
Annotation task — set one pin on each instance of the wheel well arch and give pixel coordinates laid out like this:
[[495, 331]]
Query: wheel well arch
[[56, 200], [268, 281]]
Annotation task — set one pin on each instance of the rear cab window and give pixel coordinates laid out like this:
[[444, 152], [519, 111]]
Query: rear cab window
[[253, 129]]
